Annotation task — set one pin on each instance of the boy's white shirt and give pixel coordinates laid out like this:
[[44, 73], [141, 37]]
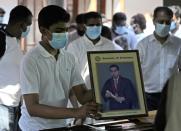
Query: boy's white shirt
[[51, 80]]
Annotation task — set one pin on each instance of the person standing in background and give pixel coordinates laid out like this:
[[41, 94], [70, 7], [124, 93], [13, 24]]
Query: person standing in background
[[2, 13], [138, 24], [80, 28], [175, 27], [160, 56], [19, 20], [121, 34], [106, 32], [90, 41]]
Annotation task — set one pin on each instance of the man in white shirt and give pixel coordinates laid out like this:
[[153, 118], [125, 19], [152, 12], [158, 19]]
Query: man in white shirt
[[159, 56], [2, 14], [48, 74], [91, 41], [175, 27], [121, 34], [20, 18], [138, 24]]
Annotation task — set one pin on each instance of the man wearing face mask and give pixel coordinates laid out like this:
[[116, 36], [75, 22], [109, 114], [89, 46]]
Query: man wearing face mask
[[2, 13], [91, 41], [159, 55], [175, 27], [121, 34], [11, 55], [48, 75]]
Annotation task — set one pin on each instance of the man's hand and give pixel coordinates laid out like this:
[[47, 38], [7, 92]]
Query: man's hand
[[119, 99], [109, 94]]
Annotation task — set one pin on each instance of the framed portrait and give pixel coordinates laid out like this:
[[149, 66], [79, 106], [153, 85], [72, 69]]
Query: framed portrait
[[117, 82]]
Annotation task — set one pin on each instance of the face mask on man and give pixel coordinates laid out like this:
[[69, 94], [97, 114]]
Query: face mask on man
[[24, 34], [59, 40], [173, 25], [1, 19], [162, 30], [121, 30], [93, 32]]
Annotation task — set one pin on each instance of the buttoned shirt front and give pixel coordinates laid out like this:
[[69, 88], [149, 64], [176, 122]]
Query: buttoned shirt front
[[158, 61], [51, 79]]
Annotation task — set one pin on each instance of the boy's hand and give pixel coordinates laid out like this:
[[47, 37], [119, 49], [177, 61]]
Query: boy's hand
[[88, 110]]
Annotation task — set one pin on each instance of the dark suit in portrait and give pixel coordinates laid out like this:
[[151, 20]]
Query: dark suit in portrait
[[120, 94]]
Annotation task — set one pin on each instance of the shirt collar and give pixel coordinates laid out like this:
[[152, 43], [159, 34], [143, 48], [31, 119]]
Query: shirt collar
[[153, 39], [90, 42], [45, 53]]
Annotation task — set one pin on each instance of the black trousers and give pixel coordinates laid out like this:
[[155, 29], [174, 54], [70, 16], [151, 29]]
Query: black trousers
[[153, 100]]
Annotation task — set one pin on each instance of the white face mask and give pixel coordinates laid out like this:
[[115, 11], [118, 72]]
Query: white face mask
[[1, 19], [93, 32], [162, 30], [121, 30], [59, 40]]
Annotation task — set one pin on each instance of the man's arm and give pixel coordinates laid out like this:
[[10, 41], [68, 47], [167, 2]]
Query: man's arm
[[44, 111]]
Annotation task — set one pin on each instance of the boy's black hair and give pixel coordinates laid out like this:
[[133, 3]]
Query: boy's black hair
[[90, 15], [52, 14], [19, 13], [163, 9]]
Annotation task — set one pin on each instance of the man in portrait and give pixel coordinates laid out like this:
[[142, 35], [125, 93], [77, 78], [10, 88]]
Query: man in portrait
[[119, 91]]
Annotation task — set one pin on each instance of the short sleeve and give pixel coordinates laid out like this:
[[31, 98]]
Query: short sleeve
[[29, 76], [76, 78]]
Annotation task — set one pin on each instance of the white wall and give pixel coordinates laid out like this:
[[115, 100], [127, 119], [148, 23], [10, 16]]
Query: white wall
[[7, 5], [145, 7], [141, 6]]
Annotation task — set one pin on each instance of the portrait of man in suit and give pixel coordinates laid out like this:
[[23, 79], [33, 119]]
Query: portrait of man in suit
[[118, 91]]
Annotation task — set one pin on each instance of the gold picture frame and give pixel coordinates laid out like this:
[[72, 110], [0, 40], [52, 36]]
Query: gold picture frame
[[117, 82]]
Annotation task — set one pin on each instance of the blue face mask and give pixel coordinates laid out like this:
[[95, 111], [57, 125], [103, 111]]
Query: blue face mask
[[59, 40], [1, 19], [162, 30], [24, 34], [121, 30], [173, 25], [93, 32]]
